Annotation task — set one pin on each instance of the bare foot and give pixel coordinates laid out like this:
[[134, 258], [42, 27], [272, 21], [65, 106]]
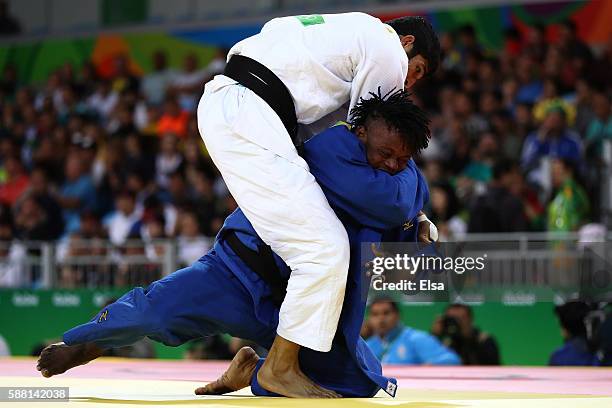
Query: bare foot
[[59, 357], [281, 373], [236, 377]]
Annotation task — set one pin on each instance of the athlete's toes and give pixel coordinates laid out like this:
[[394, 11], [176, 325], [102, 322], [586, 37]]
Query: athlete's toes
[[213, 388]]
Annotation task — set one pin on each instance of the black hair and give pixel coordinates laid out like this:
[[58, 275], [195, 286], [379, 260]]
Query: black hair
[[453, 204], [503, 166], [399, 112], [540, 27], [426, 41], [467, 29], [386, 299], [571, 317], [512, 33], [463, 306], [570, 25]]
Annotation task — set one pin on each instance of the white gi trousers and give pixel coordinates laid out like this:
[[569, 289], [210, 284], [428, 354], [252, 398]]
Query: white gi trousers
[[274, 188]]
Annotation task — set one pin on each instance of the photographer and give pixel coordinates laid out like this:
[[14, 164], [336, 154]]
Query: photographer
[[455, 330]]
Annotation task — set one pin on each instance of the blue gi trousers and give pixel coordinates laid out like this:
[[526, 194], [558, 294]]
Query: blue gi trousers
[[205, 299]]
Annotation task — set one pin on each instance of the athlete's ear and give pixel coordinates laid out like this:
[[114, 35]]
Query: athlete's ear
[[361, 133], [407, 42]]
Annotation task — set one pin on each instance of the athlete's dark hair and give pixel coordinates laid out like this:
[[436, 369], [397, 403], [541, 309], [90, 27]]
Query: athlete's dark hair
[[426, 41], [399, 112]]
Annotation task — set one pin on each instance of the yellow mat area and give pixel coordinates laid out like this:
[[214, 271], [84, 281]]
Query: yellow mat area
[[100, 393]]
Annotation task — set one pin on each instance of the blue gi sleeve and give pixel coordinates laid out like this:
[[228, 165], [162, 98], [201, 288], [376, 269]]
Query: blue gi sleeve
[[407, 232], [374, 198]]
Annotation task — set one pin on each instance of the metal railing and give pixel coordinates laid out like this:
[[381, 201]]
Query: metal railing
[[86, 263], [542, 260]]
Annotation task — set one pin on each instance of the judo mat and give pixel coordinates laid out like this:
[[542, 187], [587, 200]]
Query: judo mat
[[121, 383]]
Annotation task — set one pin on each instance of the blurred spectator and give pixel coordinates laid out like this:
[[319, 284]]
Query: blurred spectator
[[90, 239], [173, 120], [600, 72], [123, 79], [103, 101], [13, 180], [599, 128], [168, 159], [465, 113], [189, 83], [445, 211], [138, 160], [536, 46], [450, 55], [479, 168], [12, 255], [8, 24], [510, 140], [571, 45], [155, 83], [582, 100], [121, 122], [77, 194], [125, 220], [598, 133], [191, 243], [155, 207], [499, 209], [532, 206], [9, 83], [456, 330], [569, 207], [529, 85], [153, 230], [551, 139], [576, 350], [32, 221], [468, 42], [177, 190], [394, 343], [204, 202]]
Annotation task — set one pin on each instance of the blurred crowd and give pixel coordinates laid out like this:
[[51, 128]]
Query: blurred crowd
[[112, 159], [114, 156], [518, 135]]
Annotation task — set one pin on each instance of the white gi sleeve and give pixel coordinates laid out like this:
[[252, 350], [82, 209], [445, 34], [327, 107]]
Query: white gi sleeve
[[382, 64]]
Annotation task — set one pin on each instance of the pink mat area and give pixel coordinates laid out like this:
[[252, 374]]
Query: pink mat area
[[545, 380]]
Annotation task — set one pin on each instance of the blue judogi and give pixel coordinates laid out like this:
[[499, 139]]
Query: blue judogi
[[220, 294]]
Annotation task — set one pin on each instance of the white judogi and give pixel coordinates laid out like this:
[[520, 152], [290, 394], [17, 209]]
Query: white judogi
[[325, 61]]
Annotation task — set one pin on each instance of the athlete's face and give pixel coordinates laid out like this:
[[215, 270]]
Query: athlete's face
[[383, 318], [385, 148], [417, 66]]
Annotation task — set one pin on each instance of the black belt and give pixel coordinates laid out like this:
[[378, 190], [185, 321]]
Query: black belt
[[262, 263], [259, 79]]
